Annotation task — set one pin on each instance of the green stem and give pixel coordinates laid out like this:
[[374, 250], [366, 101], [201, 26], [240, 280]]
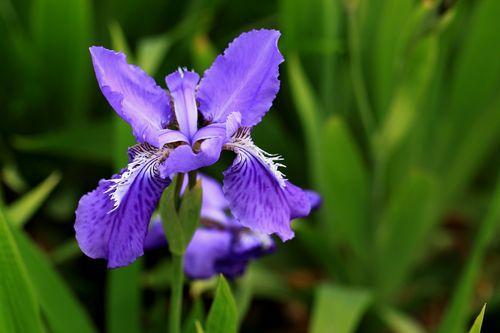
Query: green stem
[[176, 295], [192, 179]]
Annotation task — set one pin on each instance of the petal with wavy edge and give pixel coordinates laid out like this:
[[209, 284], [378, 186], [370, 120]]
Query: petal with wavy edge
[[112, 221], [244, 79], [133, 94]]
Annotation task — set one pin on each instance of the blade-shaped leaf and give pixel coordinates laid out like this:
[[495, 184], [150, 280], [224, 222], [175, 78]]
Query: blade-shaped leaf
[[61, 31], [23, 209], [346, 191], [404, 226], [456, 314], [151, 51], [68, 142], [399, 322], [123, 302], [18, 303], [60, 307], [338, 309], [476, 327], [223, 316]]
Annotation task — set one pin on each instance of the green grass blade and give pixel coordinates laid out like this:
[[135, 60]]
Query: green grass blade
[[347, 193], [19, 308], [59, 305], [476, 327], [474, 81], [151, 51], [338, 309], [123, 291], [124, 299], [309, 114], [223, 315], [68, 142], [456, 314], [403, 229], [399, 322], [23, 209], [389, 42], [62, 33]]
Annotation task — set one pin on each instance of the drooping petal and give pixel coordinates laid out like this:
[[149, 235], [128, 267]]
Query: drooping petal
[[182, 85], [205, 249], [132, 93], [156, 236], [314, 199], [259, 196], [244, 79], [112, 220]]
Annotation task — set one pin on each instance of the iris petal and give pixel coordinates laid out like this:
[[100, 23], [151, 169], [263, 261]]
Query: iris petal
[[182, 85], [112, 220], [132, 93], [244, 79], [259, 196]]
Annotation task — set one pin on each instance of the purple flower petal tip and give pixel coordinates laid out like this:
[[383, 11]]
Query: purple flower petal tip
[[132, 93]]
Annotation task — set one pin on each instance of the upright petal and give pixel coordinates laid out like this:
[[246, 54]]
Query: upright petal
[[132, 93], [112, 220], [259, 196], [244, 79], [182, 85]]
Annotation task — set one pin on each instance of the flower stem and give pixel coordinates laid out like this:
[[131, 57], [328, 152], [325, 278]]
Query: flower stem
[[176, 294], [192, 179]]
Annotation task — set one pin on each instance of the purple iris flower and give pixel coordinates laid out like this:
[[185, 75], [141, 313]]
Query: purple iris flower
[[221, 245], [182, 130]]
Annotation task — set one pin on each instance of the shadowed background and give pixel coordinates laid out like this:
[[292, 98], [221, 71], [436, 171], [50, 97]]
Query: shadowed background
[[390, 109]]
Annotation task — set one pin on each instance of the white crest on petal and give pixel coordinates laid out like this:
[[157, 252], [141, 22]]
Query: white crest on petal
[[242, 144], [144, 156]]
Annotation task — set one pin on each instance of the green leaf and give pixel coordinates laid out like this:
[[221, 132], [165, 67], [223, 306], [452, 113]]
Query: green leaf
[[119, 41], [399, 322], [313, 28], [223, 315], [203, 52], [309, 114], [338, 309], [59, 305], [195, 315], [62, 33], [180, 224], [474, 81], [151, 51], [124, 299], [456, 314], [23, 209], [19, 307], [403, 228], [390, 38], [123, 303], [347, 194], [476, 327], [199, 328], [412, 87], [96, 147]]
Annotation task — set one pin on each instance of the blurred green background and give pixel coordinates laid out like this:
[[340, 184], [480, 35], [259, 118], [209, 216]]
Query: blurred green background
[[389, 108]]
